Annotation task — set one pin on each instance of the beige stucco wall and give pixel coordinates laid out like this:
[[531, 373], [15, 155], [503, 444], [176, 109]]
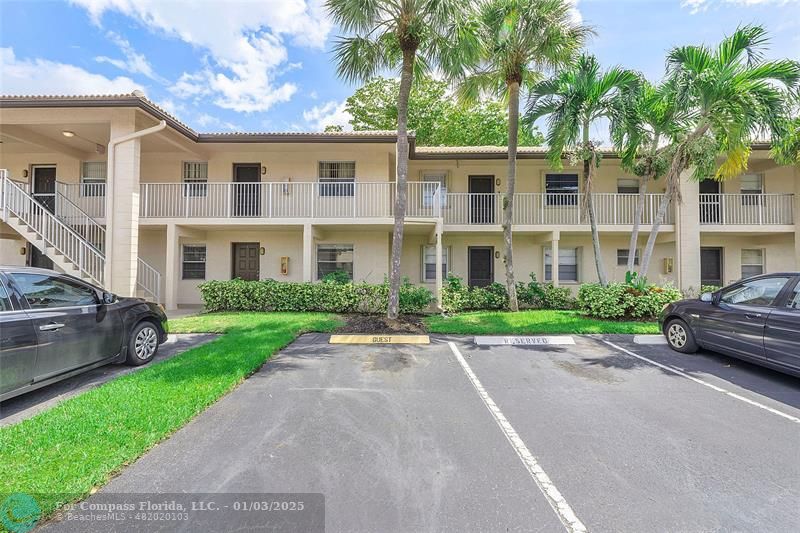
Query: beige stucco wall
[[777, 252]]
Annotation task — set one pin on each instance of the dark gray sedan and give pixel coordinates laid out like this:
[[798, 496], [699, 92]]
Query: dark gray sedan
[[756, 319], [53, 326]]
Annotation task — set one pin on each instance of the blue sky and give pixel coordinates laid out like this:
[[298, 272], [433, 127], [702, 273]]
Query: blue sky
[[265, 65]]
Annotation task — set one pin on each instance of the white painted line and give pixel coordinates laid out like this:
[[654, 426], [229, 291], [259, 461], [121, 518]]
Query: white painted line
[[674, 370], [649, 339], [523, 341], [540, 477]]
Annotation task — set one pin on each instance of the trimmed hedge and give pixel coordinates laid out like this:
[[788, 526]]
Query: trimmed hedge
[[457, 296], [330, 297], [620, 300]]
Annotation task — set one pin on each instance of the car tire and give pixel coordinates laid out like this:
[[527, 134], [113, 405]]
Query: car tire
[[680, 336], [142, 343]]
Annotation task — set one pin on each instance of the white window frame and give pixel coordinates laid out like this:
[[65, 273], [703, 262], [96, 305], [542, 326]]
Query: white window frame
[[445, 262], [204, 262], [636, 259], [548, 252], [632, 183], [335, 184], [93, 185], [349, 246], [762, 265], [751, 196], [428, 192], [195, 185]]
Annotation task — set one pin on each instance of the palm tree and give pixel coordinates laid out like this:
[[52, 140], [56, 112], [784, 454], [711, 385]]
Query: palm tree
[[653, 123], [409, 35], [731, 96], [574, 100], [516, 39]]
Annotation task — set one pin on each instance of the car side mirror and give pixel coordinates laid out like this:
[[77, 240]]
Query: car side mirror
[[109, 298], [707, 297]]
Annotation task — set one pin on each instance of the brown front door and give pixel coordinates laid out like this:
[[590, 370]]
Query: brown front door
[[247, 190], [245, 260], [480, 265]]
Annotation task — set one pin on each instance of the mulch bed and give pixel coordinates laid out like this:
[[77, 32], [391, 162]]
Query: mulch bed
[[411, 324]]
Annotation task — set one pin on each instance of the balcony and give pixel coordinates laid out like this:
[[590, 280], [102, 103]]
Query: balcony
[[746, 209]]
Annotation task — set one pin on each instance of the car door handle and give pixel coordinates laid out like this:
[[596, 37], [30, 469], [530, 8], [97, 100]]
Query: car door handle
[[51, 327], [752, 316]]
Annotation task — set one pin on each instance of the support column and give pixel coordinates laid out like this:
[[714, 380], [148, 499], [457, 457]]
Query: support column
[[308, 252], [173, 268], [439, 265], [554, 260], [687, 235], [122, 207]]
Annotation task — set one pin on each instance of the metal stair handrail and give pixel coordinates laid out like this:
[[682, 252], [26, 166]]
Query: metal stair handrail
[[80, 221], [148, 279], [55, 233]]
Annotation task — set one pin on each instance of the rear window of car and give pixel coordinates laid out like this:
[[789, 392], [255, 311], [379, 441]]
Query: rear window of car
[[5, 301], [756, 292]]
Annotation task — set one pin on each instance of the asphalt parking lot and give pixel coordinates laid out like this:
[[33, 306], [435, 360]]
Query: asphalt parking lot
[[603, 435]]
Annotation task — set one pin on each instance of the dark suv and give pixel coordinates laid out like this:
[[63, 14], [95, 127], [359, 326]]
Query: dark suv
[[53, 326], [756, 319]]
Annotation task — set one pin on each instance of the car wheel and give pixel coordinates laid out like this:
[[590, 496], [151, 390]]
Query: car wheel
[[142, 344], [680, 336]]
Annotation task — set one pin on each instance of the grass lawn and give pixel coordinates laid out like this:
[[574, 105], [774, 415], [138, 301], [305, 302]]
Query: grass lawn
[[61, 454], [529, 322]]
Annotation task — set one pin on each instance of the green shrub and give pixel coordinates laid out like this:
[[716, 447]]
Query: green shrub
[[332, 296], [709, 288], [620, 300], [337, 276], [456, 296], [544, 296]]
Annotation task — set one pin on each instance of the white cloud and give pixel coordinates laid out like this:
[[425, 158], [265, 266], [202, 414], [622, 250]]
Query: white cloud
[[696, 6], [245, 41], [329, 114], [575, 12], [41, 76], [205, 120], [134, 62]]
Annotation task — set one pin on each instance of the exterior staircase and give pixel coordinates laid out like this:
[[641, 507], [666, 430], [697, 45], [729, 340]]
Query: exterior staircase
[[73, 240]]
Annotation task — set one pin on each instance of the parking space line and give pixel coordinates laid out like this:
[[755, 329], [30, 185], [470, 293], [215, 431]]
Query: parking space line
[[540, 477], [739, 397]]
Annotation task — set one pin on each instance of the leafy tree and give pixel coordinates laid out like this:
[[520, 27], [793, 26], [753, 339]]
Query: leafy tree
[[732, 95], [436, 119], [786, 150], [516, 40], [409, 36], [574, 100]]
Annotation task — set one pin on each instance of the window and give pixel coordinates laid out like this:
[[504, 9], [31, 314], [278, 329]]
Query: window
[[561, 189], [752, 187], [757, 292], [567, 264], [628, 186], [5, 301], [429, 262], [337, 178], [622, 256], [195, 179], [194, 261], [794, 298], [93, 178], [431, 181], [333, 257], [752, 263], [47, 292]]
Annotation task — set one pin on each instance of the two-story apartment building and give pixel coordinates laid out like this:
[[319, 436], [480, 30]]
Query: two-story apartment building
[[115, 189]]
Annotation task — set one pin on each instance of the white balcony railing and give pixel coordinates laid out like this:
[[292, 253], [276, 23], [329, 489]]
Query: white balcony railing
[[548, 209], [88, 197], [741, 209]]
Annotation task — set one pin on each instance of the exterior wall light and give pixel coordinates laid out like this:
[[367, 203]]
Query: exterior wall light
[[67, 133], [263, 171], [262, 251]]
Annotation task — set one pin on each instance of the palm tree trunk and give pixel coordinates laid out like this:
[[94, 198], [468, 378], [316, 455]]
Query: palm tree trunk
[[508, 201], [401, 196], [637, 222], [588, 176], [666, 199]]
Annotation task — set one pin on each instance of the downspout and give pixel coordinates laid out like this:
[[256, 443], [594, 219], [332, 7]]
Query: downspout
[[110, 199]]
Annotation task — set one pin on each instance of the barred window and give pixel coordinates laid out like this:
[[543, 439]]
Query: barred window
[[567, 264], [337, 178], [752, 263], [195, 178], [194, 261], [93, 178], [333, 257]]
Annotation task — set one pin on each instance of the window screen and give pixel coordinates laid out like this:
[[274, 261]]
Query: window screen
[[194, 261], [752, 263], [333, 257], [561, 189], [567, 264]]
